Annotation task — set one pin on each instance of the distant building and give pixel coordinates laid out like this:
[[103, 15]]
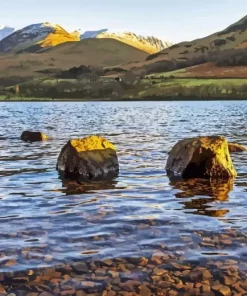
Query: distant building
[[17, 89]]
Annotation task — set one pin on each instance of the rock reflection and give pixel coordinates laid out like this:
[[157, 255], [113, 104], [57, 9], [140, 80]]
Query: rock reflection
[[206, 192], [73, 187]]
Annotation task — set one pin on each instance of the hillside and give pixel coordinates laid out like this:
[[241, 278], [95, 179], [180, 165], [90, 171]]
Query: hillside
[[233, 37], [35, 37], [148, 44], [95, 52]]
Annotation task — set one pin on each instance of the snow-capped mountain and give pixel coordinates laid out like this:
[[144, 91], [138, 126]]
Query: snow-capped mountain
[[5, 31], [36, 36], [92, 34], [148, 44]]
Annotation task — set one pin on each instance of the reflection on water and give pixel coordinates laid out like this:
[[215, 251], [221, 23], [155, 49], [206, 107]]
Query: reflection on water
[[48, 223], [73, 187], [202, 194]]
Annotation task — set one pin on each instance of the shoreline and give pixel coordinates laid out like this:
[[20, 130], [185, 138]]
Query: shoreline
[[147, 99]]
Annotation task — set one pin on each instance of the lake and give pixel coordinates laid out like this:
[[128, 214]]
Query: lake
[[139, 233]]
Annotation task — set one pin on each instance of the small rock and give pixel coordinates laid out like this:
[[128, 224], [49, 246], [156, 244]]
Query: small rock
[[234, 147], [113, 273], [145, 291], [28, 136], [172, 293], [225, 291], [81, 267], [206, 274], [80, 293], [164, 284]]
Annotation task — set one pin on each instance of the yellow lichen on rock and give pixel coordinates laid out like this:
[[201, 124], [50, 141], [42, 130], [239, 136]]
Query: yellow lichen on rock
[[28, 136], [44, 137], [91, 143], [201, 157], [90, 158]]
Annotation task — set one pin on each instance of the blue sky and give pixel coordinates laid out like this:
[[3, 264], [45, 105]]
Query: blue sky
[[174, 20]]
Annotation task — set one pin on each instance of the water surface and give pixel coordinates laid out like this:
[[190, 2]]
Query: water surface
[[46, 222]]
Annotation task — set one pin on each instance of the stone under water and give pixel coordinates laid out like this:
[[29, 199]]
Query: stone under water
[[201, 157], [235, 147], [28, 136], [90, 158]]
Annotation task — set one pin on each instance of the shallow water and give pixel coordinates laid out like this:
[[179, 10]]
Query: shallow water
[[44, 222]]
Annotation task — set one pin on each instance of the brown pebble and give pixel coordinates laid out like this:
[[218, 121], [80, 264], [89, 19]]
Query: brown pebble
[[229, 280], [114, 274], [172, 293], [80, 293], [164, 284], [158, 271], [87, 284], [205, 288], [225, 291], [48, 258], [111, 293], [68, 292], [226, 242], [45, 294], [10, 262], [206, 274], [33, 294], [143, 262], [180, 266], [145, 291]]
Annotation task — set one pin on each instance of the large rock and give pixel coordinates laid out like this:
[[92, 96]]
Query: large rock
[[28, 136], [201, 157], [234, 147], [91, 158]]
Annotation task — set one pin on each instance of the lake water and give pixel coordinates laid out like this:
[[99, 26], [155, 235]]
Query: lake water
[[45, 223]]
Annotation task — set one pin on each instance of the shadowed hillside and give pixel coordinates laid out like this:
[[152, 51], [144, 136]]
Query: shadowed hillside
[[95, 52]]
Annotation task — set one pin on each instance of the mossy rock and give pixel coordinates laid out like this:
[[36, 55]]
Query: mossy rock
[[90, 158], [201, 157], [28, 136]]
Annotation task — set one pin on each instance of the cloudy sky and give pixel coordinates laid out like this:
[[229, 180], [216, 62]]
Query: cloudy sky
[[173, 20]]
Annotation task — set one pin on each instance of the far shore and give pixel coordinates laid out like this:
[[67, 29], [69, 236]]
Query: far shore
[[153, 98]]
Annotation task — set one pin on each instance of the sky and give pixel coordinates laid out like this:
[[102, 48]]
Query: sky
[[172, 20]]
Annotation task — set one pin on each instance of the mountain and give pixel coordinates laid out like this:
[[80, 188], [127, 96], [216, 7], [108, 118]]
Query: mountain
[[233, 37], [92, 34], [94, 52], [147, 44], [36, 36], [5, 31]]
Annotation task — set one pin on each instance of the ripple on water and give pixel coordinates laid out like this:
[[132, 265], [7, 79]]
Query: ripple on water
[[133, 215]]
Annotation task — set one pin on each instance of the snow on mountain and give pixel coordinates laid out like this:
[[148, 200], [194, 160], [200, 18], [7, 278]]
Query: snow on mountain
[[149, 44], [5, 31], [36, 36], [92, 34]]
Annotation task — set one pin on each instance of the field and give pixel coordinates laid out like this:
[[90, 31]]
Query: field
[[207, 70]]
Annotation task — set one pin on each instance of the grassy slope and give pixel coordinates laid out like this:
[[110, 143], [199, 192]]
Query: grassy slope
[[97, 52], [207, 70], [232, 37]]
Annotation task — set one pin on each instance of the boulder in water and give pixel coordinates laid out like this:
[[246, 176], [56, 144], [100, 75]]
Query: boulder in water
[[28, 136], [234, 147], [201, 157], [90, 158]]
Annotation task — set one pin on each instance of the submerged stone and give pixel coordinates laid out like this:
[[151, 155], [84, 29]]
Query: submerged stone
[[201, 157], [28, 136], [91, 158], [234, 147]]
